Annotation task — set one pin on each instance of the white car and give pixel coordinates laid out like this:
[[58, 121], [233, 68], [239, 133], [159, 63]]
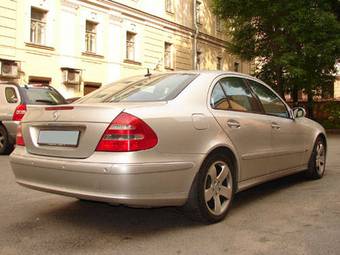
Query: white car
[[14, 99]]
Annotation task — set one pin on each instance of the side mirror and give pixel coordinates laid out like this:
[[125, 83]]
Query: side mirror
[[299, 112]]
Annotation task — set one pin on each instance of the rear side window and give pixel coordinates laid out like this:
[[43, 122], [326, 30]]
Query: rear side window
[[161, 87], [43, 96], [271, 103], [239, 95], [11, 95], [219, 99]]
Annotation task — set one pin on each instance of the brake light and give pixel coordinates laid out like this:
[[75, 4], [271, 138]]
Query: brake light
[[20, 139], [127, 133], [19, 112]]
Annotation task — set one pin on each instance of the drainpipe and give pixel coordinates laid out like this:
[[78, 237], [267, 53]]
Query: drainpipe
[[194, 53]]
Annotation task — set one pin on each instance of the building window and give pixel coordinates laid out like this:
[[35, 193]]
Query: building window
[[168, 63], [219, 63], [38, 26], [90, 87], [130, 45], [90, 36], [236, 67], [199, 60], [169, 6], [199, 12], [218, 24], [39, 80]]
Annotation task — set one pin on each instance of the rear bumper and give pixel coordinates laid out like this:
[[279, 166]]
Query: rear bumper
[[11, 127], [135, 184]]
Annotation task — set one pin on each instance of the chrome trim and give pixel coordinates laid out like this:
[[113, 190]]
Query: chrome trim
[[100, 168], [269, 154]]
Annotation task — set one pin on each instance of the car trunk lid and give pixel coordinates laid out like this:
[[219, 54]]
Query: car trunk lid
[[71, 131]]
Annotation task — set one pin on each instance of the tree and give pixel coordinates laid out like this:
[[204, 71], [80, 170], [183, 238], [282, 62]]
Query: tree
[[294, 43]]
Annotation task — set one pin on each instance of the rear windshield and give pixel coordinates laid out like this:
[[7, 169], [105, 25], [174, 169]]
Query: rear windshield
[[43, 96], [161, 87]]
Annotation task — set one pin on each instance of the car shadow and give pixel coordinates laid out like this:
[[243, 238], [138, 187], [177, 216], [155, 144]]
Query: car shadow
[[133, 222], [245, 198]]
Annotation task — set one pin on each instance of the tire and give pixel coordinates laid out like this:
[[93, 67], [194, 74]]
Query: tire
[[212, 191], [317, 161], [4, 142]]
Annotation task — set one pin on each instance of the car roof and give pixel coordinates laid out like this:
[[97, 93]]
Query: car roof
[[212, 74], [31, 85], [8, 83]]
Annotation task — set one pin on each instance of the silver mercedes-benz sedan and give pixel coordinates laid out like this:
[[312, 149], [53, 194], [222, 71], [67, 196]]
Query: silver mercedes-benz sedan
[[189, 139]]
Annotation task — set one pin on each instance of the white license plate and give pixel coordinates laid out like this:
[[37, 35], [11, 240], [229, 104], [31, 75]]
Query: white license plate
[[59, 138]]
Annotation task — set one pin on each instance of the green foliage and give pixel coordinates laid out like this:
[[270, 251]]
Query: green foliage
[[332, 111], [294, 43]]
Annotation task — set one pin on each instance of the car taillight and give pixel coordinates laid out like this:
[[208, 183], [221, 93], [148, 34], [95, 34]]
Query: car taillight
[[19, 112], [127, 133], [20, 139]]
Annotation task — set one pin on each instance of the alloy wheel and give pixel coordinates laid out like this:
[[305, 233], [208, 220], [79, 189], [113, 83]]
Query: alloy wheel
[[218, 188], [2, 140], [320, 158]]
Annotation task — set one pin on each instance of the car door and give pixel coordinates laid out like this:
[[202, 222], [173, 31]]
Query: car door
[[238, 113], [287, 139]]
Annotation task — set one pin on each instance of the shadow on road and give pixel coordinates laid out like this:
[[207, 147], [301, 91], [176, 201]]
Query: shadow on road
[[130, 222], [246, 197]]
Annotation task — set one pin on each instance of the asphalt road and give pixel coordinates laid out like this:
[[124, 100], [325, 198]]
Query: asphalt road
[[287, 216]]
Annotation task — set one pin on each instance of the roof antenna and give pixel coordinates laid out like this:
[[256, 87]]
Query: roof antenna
[[148, 74]]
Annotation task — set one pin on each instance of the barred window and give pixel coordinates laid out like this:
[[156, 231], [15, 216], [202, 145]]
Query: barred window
[[199, 60], [199, 12], [236, 66], [91, 36], [168, 63], [38, 26], [219, 63], [218, 24], [169, 6], [130, 45]]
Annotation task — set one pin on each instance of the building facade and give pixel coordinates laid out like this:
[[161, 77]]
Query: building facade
[[79, 45]]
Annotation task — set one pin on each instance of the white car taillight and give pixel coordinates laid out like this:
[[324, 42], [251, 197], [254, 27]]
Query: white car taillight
[[19, 112]]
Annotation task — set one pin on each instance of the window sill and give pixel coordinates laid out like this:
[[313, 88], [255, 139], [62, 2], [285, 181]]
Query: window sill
[[172, 13], [91, 54], [133, 62], [39, 46]]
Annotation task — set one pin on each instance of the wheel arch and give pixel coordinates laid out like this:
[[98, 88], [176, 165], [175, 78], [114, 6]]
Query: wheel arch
[[231, 154], [323, 137], [316, 136]]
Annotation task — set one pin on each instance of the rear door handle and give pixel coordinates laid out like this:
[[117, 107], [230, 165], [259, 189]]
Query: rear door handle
[[275, 125], [233, 124]]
